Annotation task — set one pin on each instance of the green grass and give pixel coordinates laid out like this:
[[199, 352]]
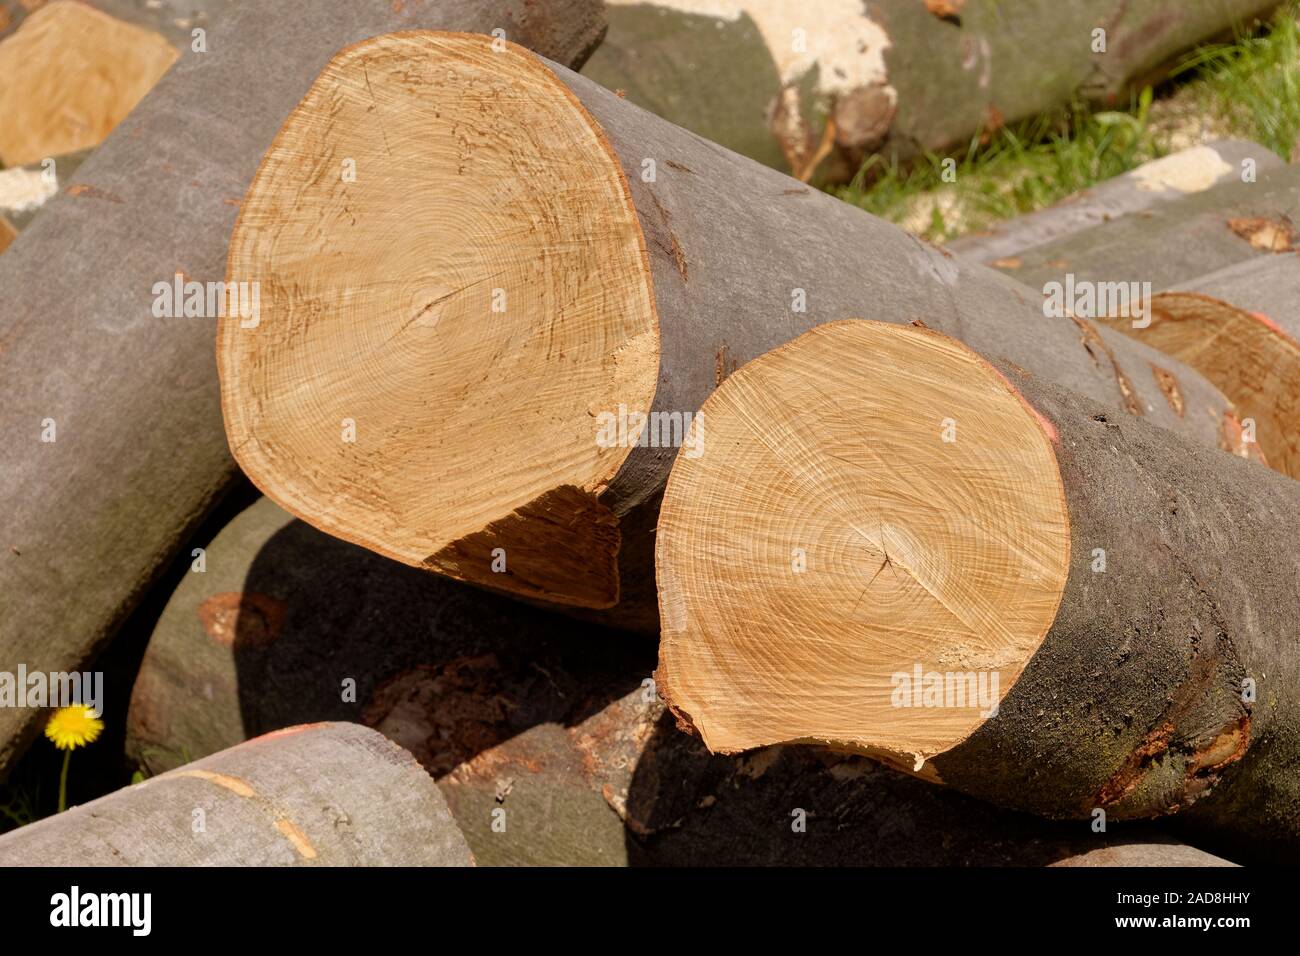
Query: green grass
[[1248, 89]]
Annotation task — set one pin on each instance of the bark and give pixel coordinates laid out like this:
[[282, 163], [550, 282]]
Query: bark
[[511, 710], [895, 79], [314, 795], [1174, 243], [1173, 177], [735, 250], [1161, 682], [140, 455], [1240, 328], [1202, 596]]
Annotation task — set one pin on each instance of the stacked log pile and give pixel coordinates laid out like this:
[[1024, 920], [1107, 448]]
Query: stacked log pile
[[525, 373]]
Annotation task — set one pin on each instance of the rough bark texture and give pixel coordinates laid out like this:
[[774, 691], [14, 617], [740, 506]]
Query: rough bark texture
[[1192, 170], [316, 795], [1135, 703], [140, 453], [512, 711], [732, 245], [1175, 242], [894, 78]]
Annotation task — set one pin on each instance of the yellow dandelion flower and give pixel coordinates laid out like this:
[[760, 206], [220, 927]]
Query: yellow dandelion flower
[[72, 727]]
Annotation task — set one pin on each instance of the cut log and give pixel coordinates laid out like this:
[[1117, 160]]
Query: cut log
[[528, 722], [315, 795], [1240, 328], [1175, 242], [91, 518], [1173, 177], [989, 582], [93, 70], [456, 353], [776, 80]]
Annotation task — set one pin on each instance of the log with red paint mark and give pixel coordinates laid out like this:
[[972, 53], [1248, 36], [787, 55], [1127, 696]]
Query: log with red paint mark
[[892, 547]]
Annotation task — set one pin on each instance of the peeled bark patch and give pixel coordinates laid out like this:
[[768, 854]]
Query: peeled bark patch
[[826, 568], [458, 246], [892, 543]]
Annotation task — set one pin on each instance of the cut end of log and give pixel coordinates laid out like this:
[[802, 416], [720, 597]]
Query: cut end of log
[[454, 291], [1252, 360], [876, 510], [69, 75]]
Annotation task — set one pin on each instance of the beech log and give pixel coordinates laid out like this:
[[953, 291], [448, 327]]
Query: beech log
[[982, 579], [139, 456], [1186, 172], [313, 795], [791, 84], [1175, 242], [526, 719], [453, 349]]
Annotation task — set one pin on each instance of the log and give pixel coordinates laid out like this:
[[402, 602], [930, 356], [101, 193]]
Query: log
[[545, 723], [92, 518], [7, 233], [93, 70], [1175, 242], [313, 795], [1186, 172], [1240, 328], [458, 387], [982, 579], [895, 78]]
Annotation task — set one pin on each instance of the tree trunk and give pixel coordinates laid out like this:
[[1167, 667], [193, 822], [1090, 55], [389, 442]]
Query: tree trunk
[[313, 795], [1239, 327], [988, 582], [90, 518], [762, 76], [1173, 243], [1173, 177], [527, 724], [460, 390]]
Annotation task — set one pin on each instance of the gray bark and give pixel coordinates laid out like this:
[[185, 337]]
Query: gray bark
[[1112, 199], [319, 795], [1168, 244], [140, 456], [517, 711], [1137, 701]]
